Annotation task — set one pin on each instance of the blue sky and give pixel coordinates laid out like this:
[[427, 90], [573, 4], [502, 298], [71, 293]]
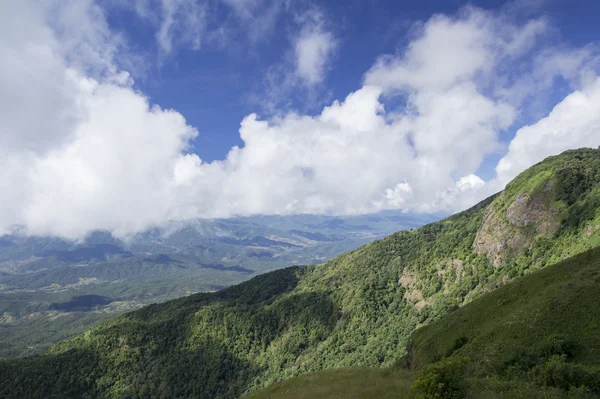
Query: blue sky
[[123, 115], [214, 86]]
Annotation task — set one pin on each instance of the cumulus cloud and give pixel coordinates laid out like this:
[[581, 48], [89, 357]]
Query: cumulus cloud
[[83, 150], [80, 148], [573, 123], [475, 48]]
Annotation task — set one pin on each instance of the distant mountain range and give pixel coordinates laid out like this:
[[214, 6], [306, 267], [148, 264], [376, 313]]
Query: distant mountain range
[[40, 277]]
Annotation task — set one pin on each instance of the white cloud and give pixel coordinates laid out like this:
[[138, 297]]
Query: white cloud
[[474, 47], [465, 192], [183, 21], [78, 152], [178, 22], [193, 24], [573, 123], [398, 196], [313, 49], [117, 171], [469, 182], [298, 77], [82, 150], [244, 8]]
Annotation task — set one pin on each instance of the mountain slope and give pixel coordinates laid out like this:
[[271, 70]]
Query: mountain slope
[[561, 299], [543, 328], [356, 310], [350, 383], [535, 337]]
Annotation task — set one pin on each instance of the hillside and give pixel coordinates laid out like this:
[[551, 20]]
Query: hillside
[[543, 328], [350, 383], [357, 310], [536, 337]]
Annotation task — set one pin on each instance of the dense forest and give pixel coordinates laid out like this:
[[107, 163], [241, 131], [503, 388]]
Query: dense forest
[[358, 309]]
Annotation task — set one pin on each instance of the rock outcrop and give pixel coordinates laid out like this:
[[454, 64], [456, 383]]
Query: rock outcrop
[[505, 233], [527, 210]]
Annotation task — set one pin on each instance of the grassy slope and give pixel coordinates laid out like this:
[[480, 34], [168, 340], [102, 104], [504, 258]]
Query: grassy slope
[[355, 383], [356, 310], [493, 332], [561, 299]]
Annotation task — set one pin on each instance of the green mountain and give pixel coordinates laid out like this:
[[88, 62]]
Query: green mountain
[[358, 309], [536, 337]]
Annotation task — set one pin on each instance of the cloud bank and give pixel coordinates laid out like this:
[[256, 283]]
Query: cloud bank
[[81, 149]]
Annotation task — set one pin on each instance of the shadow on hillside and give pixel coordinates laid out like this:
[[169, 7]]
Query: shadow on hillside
[[285, 328], [258, 290], [204, 346]]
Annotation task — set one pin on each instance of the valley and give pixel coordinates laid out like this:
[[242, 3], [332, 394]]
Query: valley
[[51, 289]]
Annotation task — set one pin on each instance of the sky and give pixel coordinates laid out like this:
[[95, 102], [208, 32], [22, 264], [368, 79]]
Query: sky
[[121, 115]]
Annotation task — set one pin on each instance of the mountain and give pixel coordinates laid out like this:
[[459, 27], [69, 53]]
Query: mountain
[[41, 276], [536, 337], [358, 309]]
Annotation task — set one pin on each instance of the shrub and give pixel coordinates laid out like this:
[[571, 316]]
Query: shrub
[[523, 360], [556, 345], [556, 372], [444, 379], [458, 343]]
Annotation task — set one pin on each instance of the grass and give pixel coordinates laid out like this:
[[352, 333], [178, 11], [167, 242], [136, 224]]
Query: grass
[[493, 388], [560, 300], [354, 383], [365, 383]]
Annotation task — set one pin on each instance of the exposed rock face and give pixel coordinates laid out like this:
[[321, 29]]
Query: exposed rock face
[[590, 230], [525, 210], [500, 235], [7, 318], [495, 236], [458, 268], [412, 294], [407, 279], [445, 266]]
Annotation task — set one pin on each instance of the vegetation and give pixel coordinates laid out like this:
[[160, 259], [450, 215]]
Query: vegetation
[[543, 329], [360, 310], [444, 379], [536, 337], [355, 383]]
